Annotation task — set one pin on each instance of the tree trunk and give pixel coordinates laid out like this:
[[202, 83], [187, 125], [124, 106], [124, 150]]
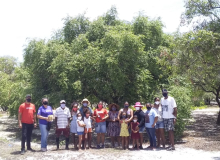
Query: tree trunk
[[217, 100]]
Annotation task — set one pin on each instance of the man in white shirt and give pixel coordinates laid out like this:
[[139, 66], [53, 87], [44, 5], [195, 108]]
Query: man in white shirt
[[169, 113], [62, 121]]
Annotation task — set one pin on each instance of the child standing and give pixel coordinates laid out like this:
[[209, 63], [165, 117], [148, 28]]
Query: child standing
[[80, 128], [73, 125], [135, 136], [124, 131], [88, 128]]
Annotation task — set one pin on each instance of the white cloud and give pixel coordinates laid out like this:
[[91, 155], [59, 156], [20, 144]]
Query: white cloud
[[39, 18]]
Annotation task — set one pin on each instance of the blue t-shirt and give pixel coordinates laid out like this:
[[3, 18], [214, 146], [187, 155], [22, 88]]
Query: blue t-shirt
[[42, 111], [82, 108], [149, 118]]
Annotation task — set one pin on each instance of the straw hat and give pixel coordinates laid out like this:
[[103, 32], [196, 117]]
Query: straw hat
[[113, 104], [85, 100]]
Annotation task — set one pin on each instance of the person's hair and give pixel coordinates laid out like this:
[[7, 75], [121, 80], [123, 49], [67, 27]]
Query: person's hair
[[126, 102], [79, 114], [149, 104], [98, 104], [44, 99], [135, 116], [164, 90], [122, 114], [86, 111], [113, 106], [156, 98], [74, 104]]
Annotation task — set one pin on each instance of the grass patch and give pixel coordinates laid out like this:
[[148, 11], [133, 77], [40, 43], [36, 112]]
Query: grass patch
[[198, 107]]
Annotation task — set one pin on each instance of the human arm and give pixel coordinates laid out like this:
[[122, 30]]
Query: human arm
[[35, 120], [19, 120], [155, 121], [132, 114], [106, 115], [119, 113], [80, 124], [175, 114]]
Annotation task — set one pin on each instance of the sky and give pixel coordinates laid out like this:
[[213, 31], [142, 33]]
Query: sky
[[28, 19]]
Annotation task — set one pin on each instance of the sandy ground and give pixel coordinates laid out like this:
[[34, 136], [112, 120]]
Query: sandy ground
[[202, 139]]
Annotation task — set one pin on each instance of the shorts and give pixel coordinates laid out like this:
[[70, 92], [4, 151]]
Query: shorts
[[159, 124], [141, 129], [65, 131], [100, 127], [80, 133], [168, 124], [88, 130]]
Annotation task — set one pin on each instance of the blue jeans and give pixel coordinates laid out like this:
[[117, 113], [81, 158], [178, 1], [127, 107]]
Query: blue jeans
[[151, 133], [100, 127], [44, 135]]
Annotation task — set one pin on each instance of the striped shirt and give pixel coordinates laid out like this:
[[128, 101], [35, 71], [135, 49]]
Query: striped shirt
[[62, 117]]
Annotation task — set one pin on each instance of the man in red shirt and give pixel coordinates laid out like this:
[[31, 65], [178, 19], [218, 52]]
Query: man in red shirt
[[27, 120]]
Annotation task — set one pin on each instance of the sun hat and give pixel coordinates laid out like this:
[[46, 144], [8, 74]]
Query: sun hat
[[113, 104], [138, 104], [85, 100], [62, 101]]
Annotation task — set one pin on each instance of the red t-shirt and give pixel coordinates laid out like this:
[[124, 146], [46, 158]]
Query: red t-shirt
[[27, 113], [102, 113]]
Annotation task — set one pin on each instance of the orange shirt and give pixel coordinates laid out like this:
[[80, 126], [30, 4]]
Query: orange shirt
[[27, 113], [102, 113]]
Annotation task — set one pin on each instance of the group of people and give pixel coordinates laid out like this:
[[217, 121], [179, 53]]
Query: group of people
[[121, 125]]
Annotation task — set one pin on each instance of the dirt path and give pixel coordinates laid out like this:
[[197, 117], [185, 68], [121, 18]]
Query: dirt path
[[202, 142]]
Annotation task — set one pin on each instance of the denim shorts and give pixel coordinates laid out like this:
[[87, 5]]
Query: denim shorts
[[100, 127], [141, 129], [80, 133], [159, 124]]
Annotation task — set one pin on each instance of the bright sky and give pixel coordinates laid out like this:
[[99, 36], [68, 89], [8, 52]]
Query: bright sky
[[22, 19]]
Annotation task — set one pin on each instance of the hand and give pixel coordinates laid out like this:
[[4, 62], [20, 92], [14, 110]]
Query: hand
[[153, 125], [47, 119], [174, 121], [126, 121], [137, 128], [35, 125], [68, 126], [20, 125]]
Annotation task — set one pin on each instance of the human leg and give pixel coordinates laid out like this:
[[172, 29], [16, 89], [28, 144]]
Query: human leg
[[44, 133], [29, 134], [158, 137]]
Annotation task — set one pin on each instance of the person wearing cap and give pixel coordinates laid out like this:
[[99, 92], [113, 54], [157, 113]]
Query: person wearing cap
[[27, 121], [169, 112], [43, 114], [151, 118], [62, 121], [85, 106], [141, 120], [113, 129]]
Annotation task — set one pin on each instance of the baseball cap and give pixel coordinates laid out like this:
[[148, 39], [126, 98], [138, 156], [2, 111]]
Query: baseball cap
[[62, 101]]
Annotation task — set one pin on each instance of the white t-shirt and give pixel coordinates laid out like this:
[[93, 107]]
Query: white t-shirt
[[168, 106], [62, 117], [87, 122], [159, 113], [80, 129], [128, 111]]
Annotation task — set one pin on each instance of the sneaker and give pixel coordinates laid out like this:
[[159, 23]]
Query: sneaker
[[140, 147], [171, 149], [22, 152], [43, 149], [103, 146], [98, 146]]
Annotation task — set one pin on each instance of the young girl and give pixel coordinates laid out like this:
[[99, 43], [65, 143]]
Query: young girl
[[124, 131], [135, 136], [80, 128], [88, 128], [73, 126]]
